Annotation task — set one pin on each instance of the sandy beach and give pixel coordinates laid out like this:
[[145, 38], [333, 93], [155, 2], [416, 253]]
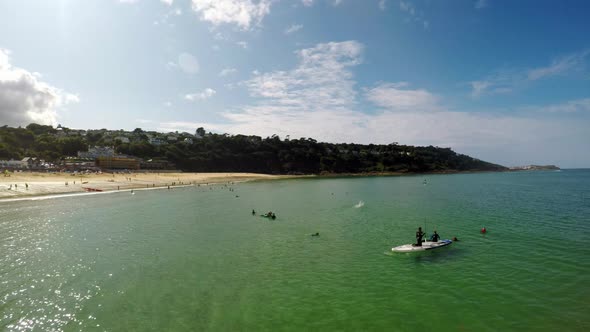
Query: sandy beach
[[25, 184]]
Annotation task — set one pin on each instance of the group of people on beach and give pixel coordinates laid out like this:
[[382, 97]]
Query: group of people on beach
[[16, 186]]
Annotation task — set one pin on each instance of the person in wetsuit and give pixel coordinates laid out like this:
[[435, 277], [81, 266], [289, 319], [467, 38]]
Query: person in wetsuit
[[435, 237], [419, 235]]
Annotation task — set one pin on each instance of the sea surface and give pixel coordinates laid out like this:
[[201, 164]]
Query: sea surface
[[196, 259]]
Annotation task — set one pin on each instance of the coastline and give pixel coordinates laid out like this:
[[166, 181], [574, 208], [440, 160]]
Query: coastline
[[29, 185], [52, 185]]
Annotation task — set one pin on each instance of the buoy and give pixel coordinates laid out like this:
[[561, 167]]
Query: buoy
[[483, 230]]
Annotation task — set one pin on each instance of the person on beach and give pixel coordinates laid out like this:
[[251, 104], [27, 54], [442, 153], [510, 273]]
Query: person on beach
[[419, 235], [434, 237]]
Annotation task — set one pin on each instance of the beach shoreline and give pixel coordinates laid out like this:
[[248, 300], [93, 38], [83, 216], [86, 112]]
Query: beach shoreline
[[33, 185], [26, 185]]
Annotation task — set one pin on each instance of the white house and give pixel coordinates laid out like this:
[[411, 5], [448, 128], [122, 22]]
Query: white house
[[156, 141], [123, 139]]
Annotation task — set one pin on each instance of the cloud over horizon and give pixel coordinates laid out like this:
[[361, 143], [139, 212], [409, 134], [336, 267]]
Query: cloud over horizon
[[203, 95], [397, 97], [317, 98], [508, 80], [24, 98]]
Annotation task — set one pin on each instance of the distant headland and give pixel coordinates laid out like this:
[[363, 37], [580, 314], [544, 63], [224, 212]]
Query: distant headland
[[535, 168]]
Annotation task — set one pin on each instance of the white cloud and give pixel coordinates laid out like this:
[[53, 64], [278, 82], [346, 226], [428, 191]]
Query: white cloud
[[407, 7], [480, 4], [166, 17], [243, 13], [479, 87], [382, 4], [25, 99], [168, 104], [220, 36], [128, 1], [293, 28], [396, 97], [505, 81], [500, 82], [186, 62], [242, 44], [205, 94], [559, 66], [227, 71], [307, 3], [572, 106], [168, 2], [321, 80], [336, 2], [413, 14], [318, 92]]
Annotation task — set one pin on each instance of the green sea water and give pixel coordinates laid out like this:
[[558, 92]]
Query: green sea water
[[195, 259]]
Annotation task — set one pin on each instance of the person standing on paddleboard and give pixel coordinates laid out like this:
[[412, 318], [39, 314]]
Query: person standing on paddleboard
[[419, 235]]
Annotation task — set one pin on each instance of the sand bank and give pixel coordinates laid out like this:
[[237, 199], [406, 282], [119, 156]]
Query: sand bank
[[25, 184]]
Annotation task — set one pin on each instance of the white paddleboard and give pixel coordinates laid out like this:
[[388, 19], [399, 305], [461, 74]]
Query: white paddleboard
[[428, 245]]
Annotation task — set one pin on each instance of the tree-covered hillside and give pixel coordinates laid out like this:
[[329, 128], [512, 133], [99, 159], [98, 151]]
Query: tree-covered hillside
[[224, 153]]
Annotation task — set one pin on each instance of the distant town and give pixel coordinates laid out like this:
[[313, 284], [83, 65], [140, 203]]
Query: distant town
[[103, 155]]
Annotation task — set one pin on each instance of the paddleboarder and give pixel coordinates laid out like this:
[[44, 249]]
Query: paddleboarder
[[419, 235]]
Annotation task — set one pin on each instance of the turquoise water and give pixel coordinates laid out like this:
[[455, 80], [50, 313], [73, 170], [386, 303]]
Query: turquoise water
[[195, 259]]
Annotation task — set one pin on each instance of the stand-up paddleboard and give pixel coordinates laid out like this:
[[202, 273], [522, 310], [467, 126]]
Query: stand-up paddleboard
[[427, 245]]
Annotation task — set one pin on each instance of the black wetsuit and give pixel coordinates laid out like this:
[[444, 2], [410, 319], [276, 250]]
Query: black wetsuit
[[419, 236], [435, 237]]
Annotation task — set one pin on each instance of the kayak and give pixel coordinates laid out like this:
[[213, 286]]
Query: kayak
[[427, 245]]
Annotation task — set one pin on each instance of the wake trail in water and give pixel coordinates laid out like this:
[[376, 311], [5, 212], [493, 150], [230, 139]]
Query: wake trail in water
[[360, 204]]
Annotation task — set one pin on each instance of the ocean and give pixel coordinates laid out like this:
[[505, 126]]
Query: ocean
[[196, 259]]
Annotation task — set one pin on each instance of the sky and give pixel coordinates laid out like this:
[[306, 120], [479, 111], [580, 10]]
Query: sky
[[503, 81]]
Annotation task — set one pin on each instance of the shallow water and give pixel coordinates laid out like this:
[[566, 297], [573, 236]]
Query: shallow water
[[195, 258]]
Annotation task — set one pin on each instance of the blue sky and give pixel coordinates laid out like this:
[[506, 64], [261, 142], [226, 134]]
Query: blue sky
[[504, 81]]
